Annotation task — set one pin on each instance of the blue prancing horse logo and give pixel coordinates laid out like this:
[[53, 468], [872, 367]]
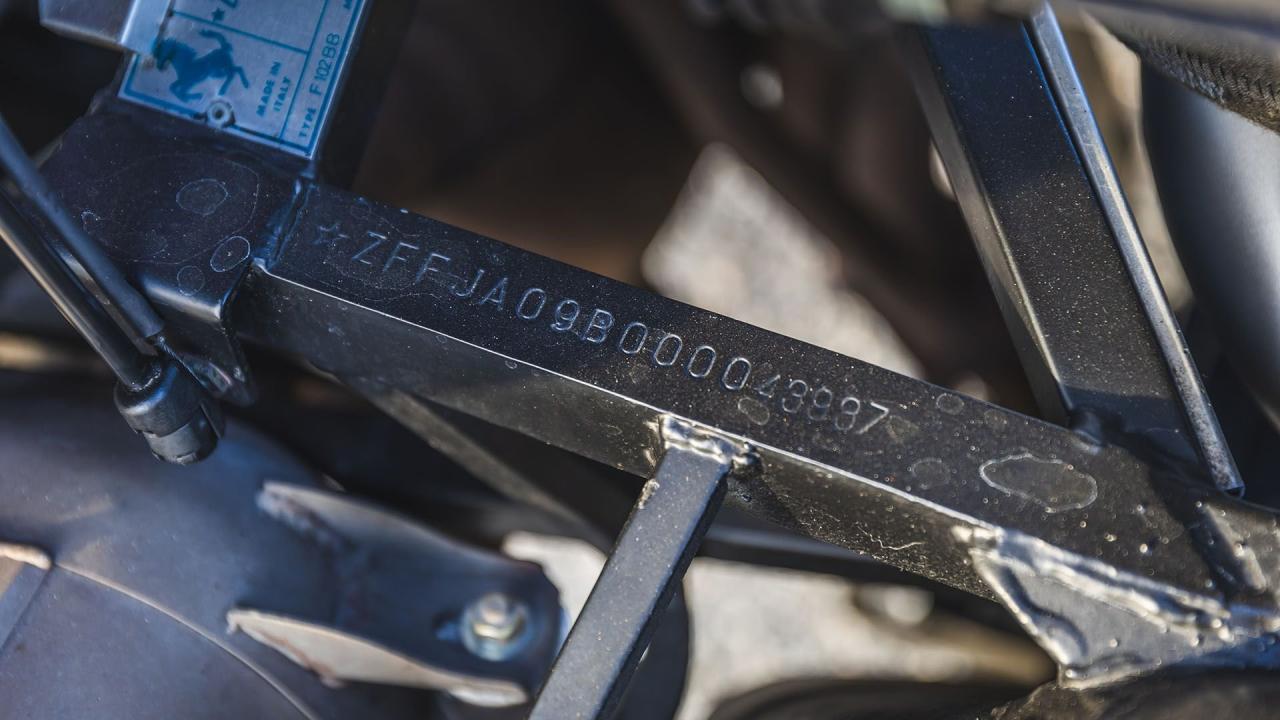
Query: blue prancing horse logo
[[193, 70]]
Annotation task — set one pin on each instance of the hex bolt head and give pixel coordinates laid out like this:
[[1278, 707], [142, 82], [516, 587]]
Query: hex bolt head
[[495, 626]]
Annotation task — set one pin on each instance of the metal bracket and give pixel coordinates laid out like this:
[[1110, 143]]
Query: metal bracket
[[403, 592], [118, 24], [183, 215], [658, 542]]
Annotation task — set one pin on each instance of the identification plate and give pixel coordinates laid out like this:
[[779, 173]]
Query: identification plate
[[267, 70]]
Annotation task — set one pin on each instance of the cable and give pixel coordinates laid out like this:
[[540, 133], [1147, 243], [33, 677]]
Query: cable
[[72, 300], [140, 321], [158, 397]]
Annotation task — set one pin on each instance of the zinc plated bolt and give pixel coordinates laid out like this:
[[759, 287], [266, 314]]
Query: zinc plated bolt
[[495, 626]]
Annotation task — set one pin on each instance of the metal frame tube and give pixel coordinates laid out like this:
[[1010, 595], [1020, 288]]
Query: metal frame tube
[[646, 566]]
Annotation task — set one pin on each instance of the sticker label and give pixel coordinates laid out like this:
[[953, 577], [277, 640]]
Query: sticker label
[[262, 69]]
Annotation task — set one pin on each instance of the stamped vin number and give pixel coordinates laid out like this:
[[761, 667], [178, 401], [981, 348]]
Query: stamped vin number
[[765, 393]]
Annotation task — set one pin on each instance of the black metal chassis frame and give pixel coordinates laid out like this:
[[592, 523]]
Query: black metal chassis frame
[[1111, 532]]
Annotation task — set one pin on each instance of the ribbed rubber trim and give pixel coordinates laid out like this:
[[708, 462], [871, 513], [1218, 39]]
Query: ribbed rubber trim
[[1250, 87]]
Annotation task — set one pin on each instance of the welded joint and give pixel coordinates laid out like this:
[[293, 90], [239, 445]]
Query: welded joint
[[680, 434], [1102, 625]]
